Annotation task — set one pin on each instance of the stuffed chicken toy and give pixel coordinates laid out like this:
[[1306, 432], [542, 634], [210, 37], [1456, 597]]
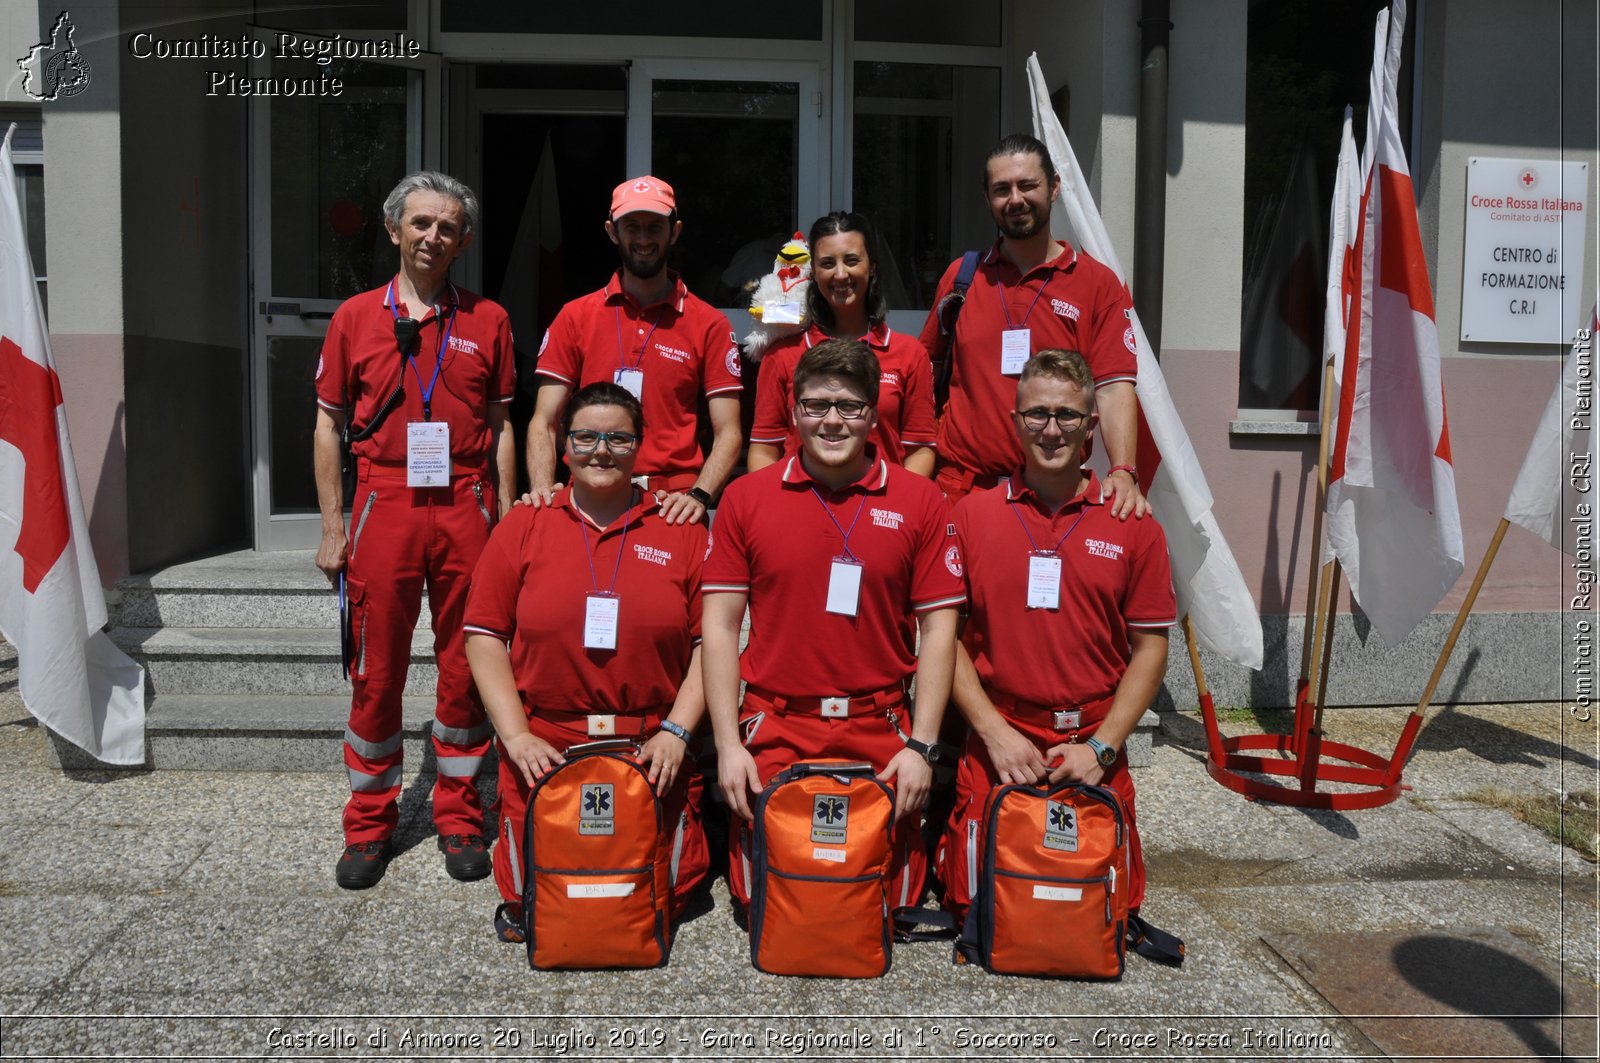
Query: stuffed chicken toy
[[778, 300]]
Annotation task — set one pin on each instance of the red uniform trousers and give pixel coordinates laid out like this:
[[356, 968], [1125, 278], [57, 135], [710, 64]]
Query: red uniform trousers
[[976, 776], [680, 808], [401, 539], [777, 738]]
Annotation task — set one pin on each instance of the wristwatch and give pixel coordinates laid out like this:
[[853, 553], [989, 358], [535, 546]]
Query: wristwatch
[[676, 730], [1105, 754], [935, 753], [700, 495]]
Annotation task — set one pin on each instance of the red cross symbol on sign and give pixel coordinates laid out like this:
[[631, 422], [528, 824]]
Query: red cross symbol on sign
[[1528, 178], [29, 395]]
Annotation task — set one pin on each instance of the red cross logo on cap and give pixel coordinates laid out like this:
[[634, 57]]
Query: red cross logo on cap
[[1529, 178], [641, 185]]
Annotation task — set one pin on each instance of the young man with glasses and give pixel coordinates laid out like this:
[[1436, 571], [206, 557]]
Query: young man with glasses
[[646, 333], [832, 548], [1066, 641]]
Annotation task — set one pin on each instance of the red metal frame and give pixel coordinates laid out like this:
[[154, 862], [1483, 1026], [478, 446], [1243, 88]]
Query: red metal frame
[[1304, 755]]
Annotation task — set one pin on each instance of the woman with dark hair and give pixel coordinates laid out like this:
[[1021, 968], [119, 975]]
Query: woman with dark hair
[[846, 302], [584, 622]]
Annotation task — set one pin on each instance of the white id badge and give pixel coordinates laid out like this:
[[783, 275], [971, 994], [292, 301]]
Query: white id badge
[[427, 454], [1044, 581], [600, 621], [1016, 346], [782, 314], [844, 586], [631, 381]]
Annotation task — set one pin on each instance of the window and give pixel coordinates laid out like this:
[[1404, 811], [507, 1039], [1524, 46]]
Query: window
[[27, 161], [1306, 60]]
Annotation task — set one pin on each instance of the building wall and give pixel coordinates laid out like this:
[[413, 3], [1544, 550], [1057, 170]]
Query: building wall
[[184, 214], [83, 212]]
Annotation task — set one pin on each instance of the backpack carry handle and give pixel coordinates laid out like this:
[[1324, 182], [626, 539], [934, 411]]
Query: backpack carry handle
[[804, 768], [603, 745]]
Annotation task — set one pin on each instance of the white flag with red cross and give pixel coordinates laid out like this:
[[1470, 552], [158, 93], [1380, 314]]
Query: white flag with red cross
[[1210, 588], [72, 678], [1558, 472], [1393, 521]]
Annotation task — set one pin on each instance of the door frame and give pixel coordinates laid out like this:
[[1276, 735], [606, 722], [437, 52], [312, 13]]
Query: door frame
[[299, 316]]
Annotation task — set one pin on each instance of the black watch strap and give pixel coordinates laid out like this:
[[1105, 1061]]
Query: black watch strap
[[700, 495], [932, 752]]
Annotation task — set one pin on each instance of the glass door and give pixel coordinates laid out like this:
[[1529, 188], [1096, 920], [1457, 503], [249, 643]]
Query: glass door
[[320, 168], [740, 142]]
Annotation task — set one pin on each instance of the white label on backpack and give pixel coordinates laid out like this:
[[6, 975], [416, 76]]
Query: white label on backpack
[[596, 809], [1057, 893], [600, 889], [1060, 826], [833, 856], [830, 815]]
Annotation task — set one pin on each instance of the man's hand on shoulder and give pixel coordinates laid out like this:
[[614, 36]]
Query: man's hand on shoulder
[[680, 507], [1124, 497], [537, 497]]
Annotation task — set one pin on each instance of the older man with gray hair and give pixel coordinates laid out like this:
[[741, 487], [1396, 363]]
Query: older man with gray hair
[[415, 377]]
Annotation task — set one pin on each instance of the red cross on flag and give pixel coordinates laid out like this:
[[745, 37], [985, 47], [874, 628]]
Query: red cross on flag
[[1392, 516], [72, 678]]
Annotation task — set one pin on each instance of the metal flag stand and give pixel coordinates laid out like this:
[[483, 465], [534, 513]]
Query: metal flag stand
[[1304, 755]]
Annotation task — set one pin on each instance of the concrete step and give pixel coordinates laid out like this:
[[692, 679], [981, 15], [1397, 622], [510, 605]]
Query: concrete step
[[258, 661], [243, 732], [241, 589]]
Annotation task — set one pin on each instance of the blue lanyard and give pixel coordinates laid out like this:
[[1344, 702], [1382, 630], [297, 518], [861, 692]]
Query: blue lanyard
[[1056, 549], [1007, 310], [846, 534], [583, 530], [438, 356], [622, 352]]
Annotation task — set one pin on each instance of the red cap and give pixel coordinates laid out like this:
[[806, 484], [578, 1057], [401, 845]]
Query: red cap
[[643, 193]]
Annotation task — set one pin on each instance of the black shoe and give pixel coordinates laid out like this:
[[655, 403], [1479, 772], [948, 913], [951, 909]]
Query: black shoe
[[466, 858], [362, 865]]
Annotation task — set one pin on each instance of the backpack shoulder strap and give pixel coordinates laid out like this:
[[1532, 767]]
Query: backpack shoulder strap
[[1153, 943]]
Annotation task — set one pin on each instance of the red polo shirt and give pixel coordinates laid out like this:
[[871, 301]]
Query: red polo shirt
[[1070, 303], [1114, 576], [905, 393], [531, 586], [774, 540], [361, 364], [684, 347]]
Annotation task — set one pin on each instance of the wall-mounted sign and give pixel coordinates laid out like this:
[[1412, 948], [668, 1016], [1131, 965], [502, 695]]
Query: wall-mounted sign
[[1522, 266]]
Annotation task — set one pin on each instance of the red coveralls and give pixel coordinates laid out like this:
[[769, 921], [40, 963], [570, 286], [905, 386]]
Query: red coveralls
[[1032, 662], [774, 541], [529, 590], [405, 538]]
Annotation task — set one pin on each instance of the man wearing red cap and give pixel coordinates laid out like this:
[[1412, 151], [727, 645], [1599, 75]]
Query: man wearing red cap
[[645, 332]]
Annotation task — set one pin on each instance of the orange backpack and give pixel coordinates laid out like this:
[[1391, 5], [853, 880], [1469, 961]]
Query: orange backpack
[[597, 862], [1052, 870], [819, 881]]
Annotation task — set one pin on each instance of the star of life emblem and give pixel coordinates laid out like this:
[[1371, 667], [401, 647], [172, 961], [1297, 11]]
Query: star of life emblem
[[1060, 827], [596, 809], [830, 816]]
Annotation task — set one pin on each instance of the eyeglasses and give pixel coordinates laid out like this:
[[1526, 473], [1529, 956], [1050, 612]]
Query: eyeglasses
[[1038, 418], [849, 409], [585, 440]]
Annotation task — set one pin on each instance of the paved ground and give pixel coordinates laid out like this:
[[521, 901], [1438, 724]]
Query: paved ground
[[195, 915]]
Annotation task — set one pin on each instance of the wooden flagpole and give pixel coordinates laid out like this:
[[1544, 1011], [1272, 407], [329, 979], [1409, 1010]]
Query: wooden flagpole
[[1310, 656], [1208, 710], [1408, 735]]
